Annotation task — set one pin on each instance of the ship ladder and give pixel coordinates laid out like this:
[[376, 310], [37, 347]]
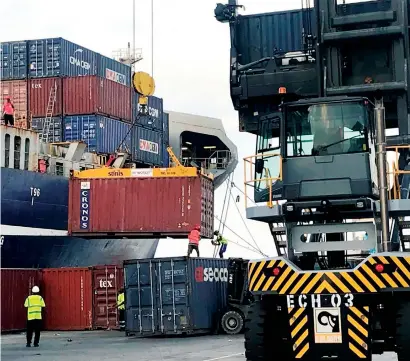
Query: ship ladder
[[49, 114], [278, 232]]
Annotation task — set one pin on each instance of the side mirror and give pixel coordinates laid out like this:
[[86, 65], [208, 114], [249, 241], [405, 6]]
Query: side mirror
[[259, 165]]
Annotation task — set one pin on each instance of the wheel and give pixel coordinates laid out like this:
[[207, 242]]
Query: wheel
[[232, 322], [402, 331], [262, 338]]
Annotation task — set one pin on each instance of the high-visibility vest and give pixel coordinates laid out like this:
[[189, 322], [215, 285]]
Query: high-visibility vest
[[120, 300], [34, 304], [194, 236], [222, 240]]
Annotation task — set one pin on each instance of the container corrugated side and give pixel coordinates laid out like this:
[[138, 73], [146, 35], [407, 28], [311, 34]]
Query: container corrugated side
[[17, 91], [16, 285], [59, 57], [96, 95], [166, 140], [101, 134], [13, 60], [114, 70], [107, 282], [56, 130], [143, 206], [149, 146], [154, 118], [39, 90], [68, 297], [191, 292]]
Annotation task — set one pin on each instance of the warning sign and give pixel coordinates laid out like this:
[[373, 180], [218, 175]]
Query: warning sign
[[327, 325]]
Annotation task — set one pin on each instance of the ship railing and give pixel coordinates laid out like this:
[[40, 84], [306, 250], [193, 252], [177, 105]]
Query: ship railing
[[261, 164], [219, 160]]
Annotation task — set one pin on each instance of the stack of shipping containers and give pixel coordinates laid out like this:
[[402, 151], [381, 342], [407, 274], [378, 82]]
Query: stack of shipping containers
[[95, 101]]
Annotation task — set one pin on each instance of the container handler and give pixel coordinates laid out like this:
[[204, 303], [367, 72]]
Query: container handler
[[327, 297]]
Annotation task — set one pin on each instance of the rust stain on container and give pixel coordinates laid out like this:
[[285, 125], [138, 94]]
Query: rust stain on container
[[141, 206], [39, 90], [17, 91], [95, 95], [107, 282], [16, 285], [68, 296]]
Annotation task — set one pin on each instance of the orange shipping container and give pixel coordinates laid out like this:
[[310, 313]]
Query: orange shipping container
[[68, 297], [17, 91], [140, 207], [107, 282], [16, 285]]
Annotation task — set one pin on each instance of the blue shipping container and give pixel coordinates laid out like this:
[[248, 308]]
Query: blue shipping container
[[149, 146], [101, 134], [114, 70], [60, 57], [13, 60], [154, 119], [55, 132], [190, 292], [166, 139]]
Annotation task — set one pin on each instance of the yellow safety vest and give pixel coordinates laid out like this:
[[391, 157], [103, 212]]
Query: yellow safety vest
[[34, 304], [120, 300]]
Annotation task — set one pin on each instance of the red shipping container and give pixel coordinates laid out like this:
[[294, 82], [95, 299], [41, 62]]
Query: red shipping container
[[146, 207], [107, 282], [17, 91], [95, 95], [16, 285], [67, 293], [39, 90]]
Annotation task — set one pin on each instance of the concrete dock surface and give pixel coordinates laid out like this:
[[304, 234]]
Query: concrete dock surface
[[113, 345]]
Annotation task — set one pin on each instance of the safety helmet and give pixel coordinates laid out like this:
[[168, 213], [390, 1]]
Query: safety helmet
[[197, 227], [216, 233], [8, 98], [35, 289]]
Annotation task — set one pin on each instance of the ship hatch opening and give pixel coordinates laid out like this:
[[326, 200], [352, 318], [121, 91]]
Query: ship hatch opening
[[203, 150]]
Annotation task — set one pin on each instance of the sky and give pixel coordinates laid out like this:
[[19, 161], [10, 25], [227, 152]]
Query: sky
[[191, 71]]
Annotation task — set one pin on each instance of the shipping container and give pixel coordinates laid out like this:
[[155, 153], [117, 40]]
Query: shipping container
[[67, 293], [149, 146], [55, 132], [114, 70], [39, 90], [141, 206], [166, 139], [17, 91], [155, 110], [59, 57], [96, 95], [107, 282], [13, 60], [169, 296], [16, 285], [101, 134]]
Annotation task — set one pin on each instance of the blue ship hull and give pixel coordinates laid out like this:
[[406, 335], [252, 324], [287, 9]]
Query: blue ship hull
[[34, 216]]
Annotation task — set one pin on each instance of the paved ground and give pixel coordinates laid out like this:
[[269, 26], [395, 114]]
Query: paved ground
[[112, 345]]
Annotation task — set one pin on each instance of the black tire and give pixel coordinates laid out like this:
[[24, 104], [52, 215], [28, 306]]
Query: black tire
[[232, 322], [403, 331], [262, 339]]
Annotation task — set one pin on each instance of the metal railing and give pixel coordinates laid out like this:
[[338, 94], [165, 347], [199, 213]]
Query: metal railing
[[394, 175], [267, 179], [218, 160]]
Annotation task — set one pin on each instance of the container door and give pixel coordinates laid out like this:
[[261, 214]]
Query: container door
[[140, 298], [172, 295], [107, 283]]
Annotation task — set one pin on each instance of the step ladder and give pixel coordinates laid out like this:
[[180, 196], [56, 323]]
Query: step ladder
[[49, 114], [278, 231], [404, 239]]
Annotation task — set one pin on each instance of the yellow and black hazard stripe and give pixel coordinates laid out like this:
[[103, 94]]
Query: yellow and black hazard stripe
[[363, 279], [358, 331], [299, 331]]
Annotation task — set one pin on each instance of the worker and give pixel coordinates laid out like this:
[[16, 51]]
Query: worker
[[8, 112], [121, 308], [194, 237], [222, 242], [34, 304]]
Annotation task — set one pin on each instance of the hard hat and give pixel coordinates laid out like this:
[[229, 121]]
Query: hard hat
[[35, 289], [8, 98], [216, 233]]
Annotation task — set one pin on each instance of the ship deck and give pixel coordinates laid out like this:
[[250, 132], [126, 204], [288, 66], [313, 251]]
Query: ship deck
[[113, 345]]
